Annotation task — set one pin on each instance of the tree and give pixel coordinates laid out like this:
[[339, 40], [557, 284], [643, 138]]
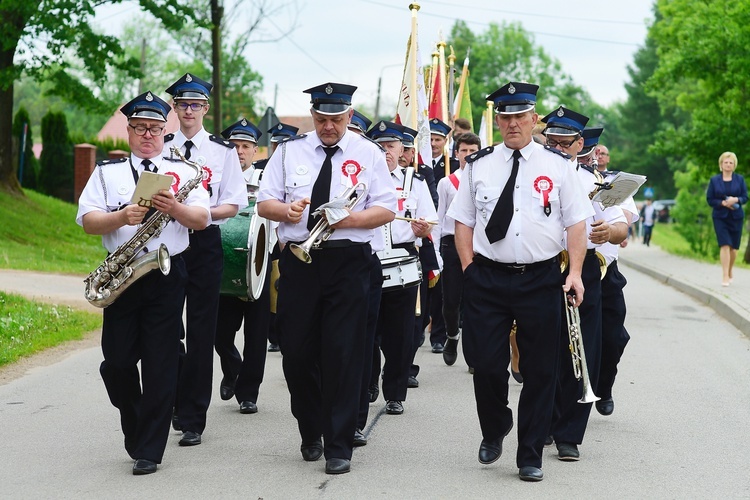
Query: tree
[[508, 52], [36, 38], [30, 167], [56, 174]]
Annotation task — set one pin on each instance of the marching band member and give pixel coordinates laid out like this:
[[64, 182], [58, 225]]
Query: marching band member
[[397, 306], [243, 374], [452, 275], [222, 177], [513, 205], [564, 132], [614, 334], [322, 305], [144, 323]]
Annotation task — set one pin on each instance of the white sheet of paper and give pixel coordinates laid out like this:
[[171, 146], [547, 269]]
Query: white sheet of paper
[[148, 185], [623, 185]]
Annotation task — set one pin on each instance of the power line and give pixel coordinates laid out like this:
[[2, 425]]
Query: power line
[[568, 37]]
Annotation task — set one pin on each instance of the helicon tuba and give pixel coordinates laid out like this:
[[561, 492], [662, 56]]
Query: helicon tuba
[[121, 268]]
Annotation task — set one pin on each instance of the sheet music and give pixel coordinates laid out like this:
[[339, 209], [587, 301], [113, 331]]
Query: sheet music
[[148, 185], [622, 186]]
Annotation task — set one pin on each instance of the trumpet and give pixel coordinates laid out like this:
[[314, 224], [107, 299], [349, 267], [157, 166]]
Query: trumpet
[[322, 230], [580, 369]]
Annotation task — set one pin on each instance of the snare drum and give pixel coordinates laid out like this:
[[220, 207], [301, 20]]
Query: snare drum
[[401, 272], [245, 240]]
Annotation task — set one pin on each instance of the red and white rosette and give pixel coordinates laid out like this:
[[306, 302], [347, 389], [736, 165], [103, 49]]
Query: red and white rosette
[[351, 169], [207, 174], [400, 198], [543, 185], [175, 182]]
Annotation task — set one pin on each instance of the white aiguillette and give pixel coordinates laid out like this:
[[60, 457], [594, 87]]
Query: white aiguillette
[[148, 185], [622, 185]]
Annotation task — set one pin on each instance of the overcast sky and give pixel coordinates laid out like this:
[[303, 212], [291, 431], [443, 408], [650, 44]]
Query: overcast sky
[[356, 41]]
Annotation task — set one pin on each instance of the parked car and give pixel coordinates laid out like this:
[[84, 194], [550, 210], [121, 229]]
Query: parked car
[[662, 209]]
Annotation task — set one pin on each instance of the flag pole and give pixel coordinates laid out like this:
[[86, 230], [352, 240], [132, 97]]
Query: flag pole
[[414, 8], [489, 113], [443, 97], [451, 85]]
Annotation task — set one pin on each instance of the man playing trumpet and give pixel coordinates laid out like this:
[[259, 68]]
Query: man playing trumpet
[[322, 305]]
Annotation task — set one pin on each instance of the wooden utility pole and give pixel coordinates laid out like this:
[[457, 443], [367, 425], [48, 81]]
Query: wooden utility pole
[[217, 13]]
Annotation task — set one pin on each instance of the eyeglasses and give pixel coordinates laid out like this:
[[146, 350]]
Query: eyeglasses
[[603, 154], [183, 106], [142, 129], [563, 144]]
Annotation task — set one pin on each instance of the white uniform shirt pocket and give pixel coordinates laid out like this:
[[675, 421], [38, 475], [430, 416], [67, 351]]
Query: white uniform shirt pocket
[[486, 199], [297, 186], [538, 202]]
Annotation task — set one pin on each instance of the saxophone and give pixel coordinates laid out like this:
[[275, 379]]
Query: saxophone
[[121, 269]]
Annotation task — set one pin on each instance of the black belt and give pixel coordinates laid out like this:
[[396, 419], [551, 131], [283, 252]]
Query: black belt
[[590, 251], [512, 268], [448, 238], [406, 246], [334, 244], [207, 228]]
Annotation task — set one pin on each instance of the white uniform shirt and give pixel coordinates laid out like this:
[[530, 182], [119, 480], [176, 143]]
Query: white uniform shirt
[[611, 215], [221, 169], [292, 170], [111, 187], [532, 235], [417, 205], [446, 192], [608, 250]]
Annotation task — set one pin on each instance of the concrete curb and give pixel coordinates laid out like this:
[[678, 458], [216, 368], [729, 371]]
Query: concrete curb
[[722, 307]]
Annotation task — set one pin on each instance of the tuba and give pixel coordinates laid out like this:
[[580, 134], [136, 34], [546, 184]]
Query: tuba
[[121, 268], [580, 369], [322, 230]]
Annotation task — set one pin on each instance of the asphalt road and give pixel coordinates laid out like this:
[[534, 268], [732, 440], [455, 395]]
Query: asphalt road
[[679, 430]]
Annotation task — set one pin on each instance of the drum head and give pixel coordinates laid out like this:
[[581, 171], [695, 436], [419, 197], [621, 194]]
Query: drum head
[[257, 257]]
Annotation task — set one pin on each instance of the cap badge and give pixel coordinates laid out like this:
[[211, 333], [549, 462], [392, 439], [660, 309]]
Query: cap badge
[[435, 121], [279, 126], [188, 78], [560, 113], [244, 122], [382, 127], [149, 97], [511, 89], [329, 89]]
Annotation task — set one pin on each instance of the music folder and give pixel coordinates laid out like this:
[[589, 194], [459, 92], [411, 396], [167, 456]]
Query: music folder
[[148, 185], [622, 186]]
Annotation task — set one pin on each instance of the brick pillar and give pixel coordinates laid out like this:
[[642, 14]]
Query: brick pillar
[[117, 153], [84, 162]]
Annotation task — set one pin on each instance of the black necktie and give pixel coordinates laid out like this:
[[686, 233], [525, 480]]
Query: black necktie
[[148, 166], [322, 188], [188, 145], [499, 222]]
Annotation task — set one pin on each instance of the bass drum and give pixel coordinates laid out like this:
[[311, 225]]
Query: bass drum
[[244, 240]]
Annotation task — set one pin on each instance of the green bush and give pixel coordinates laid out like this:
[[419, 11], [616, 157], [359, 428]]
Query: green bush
[[56, 173], [693, 214]]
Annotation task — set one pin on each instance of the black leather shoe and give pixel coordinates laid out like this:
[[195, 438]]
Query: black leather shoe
[[516, 376], [176, 422], [530, 473], [605, 406], [437, 347], [412, 382], [374, 392], [394, 408], [190, 438], [337, 466], [226, 388], [568, 452], [359, 438], [450, 351], [490, 450], [141, 467], [248, 407], [549, 441], [312, 451], [273, 348]]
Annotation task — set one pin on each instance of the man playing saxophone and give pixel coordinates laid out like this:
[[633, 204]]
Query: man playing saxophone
[[143, 324], [322, 304]]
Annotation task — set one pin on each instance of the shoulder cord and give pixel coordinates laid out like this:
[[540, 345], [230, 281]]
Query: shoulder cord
[[104, 185], [283, 167]]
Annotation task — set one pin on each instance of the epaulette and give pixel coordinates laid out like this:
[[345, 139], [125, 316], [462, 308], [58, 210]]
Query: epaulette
[[557, 152], [587, 168], [376, 143], [418, 176], [260, 164], [168, 137], [220, 140], [292, 138], [482, 152], [111, 162]]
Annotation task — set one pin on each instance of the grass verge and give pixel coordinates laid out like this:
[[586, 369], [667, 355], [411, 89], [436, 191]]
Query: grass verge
[[27, 327]]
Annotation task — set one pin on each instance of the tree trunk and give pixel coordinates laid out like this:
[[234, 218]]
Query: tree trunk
[[747, 252], [217, 13], [8, 177]]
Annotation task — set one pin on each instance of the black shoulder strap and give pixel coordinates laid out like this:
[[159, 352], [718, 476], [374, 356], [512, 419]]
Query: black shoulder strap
[[220, 140]]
